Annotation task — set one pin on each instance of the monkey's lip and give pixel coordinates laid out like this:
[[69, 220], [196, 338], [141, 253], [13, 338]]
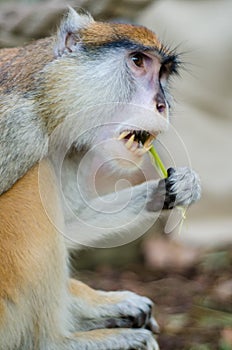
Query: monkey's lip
[[137, 141]]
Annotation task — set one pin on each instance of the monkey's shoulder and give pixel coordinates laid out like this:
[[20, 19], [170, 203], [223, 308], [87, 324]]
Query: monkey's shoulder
[[19, 65]]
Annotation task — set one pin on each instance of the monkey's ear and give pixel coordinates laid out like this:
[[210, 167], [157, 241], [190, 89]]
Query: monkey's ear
[[67, 34]]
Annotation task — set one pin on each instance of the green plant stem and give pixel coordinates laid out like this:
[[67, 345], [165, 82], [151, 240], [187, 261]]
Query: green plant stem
[[158, 162]]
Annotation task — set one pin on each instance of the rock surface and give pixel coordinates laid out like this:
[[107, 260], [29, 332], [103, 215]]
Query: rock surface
[[22, 21]]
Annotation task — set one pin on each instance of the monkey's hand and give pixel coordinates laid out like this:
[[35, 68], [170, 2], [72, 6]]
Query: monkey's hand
[[180, 188]]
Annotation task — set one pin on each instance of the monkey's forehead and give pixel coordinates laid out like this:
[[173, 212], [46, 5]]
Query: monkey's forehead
[[109, 34]]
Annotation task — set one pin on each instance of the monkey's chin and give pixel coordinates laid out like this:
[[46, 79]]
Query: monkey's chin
[[129, 148], [122, 159]]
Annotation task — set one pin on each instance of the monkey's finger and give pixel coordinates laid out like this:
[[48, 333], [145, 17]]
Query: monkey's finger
[[153, 326]]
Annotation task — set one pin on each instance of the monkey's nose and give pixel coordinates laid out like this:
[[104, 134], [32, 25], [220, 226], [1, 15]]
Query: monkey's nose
[[160, 102], [161, 107]]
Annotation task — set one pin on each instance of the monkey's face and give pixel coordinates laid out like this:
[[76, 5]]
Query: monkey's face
[[135, 124], [113, 83]]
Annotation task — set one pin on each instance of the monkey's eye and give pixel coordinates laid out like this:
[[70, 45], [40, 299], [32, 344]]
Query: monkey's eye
[[138, 59]]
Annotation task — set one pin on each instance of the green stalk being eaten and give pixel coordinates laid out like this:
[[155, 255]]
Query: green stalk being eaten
[[164, 174], [158, 162]]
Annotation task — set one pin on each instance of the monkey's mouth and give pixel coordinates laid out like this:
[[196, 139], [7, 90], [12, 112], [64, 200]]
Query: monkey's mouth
[[137, 141]]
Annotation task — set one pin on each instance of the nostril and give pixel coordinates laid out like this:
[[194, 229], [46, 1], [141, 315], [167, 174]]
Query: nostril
[[160, 107]]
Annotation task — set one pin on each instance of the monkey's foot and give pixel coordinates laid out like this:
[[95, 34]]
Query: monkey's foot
[[123, 310], [113, 339], [133, 311]]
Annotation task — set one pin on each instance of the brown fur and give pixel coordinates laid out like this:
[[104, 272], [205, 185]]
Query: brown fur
[[22, 64], [28, 239], [102, 33]]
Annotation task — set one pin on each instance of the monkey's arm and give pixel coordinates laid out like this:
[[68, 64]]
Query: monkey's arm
[[22, 141], [96, 309], [127, 214]]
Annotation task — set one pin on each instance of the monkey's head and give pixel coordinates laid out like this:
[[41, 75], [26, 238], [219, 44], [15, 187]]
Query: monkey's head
[[110, 82]]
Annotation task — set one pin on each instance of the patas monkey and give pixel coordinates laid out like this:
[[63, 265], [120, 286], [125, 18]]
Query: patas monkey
[[92, 74]]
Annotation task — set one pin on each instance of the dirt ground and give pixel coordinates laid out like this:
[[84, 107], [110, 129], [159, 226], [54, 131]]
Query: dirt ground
[[193, 304]]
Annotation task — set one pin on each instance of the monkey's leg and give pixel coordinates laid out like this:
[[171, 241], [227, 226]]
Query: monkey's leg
[[93, 309]]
